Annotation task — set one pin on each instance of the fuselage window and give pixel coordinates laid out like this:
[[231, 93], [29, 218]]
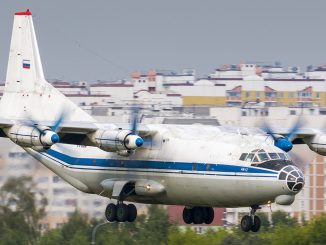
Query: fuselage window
[[273, 156], [243, 156], [250, 157], [263, 157]]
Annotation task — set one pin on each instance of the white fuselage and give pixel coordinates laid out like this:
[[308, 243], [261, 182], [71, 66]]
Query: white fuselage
[[197, 165]]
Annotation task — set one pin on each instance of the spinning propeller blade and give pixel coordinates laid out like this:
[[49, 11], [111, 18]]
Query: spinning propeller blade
[[134, 119], [53, 137], [284, 143]]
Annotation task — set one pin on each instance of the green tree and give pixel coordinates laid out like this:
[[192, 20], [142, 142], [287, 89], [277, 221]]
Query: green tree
[[76, 231], [282, 218], [316, 230], [19, 213], [265, 224], [52, 237], [189, 236], [156, 228]]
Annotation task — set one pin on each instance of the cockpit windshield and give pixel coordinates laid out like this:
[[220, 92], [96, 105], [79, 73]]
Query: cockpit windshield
[[263, 159]]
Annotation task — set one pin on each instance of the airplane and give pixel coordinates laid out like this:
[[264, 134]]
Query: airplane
[[197, 166]]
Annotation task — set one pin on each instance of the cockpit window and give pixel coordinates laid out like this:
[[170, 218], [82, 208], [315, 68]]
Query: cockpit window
[[243, 156], [273, 156], [282, 156], [263, 157], [270, 160], [255, 159], [250, 157]]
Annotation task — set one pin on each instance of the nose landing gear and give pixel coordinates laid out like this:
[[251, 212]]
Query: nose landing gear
[[251, 222]]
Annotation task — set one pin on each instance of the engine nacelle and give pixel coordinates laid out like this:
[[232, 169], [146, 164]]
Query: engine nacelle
[[317, 143], [116, 140], [28, 136]]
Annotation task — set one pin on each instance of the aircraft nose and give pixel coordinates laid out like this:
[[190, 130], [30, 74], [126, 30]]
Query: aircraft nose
[[293, 176]]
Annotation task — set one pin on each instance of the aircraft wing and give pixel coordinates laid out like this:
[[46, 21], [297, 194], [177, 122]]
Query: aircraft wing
[[300, 135], [6, 123], [73, 132]]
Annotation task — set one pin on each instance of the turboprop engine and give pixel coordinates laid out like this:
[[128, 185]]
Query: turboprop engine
[[121, 141], [317, 143], [32, 136]]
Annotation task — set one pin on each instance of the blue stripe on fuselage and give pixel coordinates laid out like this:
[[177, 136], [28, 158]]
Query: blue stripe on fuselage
[[145, 164]]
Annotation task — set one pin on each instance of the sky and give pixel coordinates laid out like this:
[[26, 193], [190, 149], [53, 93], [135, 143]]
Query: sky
[[108, 40]]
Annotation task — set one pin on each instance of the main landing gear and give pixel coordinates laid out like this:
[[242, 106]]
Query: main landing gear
[[251, 221], [121, 212], [198, 215]]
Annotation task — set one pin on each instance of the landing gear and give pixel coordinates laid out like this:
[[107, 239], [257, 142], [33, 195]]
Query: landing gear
[[246, 223], [198, 215], [251, 222], [111, 212], [121, 212]]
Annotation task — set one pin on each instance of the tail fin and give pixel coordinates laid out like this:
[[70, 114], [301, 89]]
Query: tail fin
[[27, 94]]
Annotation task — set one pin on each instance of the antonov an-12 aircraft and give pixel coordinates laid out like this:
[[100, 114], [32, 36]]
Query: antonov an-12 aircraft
[[197, 166]]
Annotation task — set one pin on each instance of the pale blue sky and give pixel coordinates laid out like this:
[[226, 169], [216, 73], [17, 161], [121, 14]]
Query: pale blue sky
[[107, 40]]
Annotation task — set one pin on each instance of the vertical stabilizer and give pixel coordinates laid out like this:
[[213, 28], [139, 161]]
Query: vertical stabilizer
[[24, 65], [27, 94]]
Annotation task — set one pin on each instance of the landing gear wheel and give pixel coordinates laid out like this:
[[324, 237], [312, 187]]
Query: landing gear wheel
[[209, 215], [111, 212], [187, 215], [132, 213], [256, 226], [198, 215], [122, 212], [246, 223]]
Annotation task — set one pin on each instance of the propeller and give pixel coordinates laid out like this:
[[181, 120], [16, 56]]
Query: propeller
[[133, 141], [284, 143], [49, 137], [134, 119]]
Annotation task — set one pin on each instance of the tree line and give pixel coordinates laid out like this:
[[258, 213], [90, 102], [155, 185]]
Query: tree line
[[21, 210]]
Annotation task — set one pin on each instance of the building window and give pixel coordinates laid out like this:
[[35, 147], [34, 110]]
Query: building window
[[318, 95], [257, 94], [270, 94], [293, 112], [59, 225], [247, 94], [56, 179], [44, 226]]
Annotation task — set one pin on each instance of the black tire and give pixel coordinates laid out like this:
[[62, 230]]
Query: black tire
[[111, 212], [187, 215], [246, 223], [209, 215], [256, 226], [132, 213], [198, 215], [122, 212]]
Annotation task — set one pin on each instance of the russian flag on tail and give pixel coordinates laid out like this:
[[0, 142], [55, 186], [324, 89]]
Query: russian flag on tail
[[26, 64]]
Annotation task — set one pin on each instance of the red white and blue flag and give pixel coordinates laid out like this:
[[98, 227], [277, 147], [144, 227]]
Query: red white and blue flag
[[26, 64]]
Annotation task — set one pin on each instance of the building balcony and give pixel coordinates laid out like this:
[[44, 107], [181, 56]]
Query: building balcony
[[233, 99], [270, 99], [304, 99]]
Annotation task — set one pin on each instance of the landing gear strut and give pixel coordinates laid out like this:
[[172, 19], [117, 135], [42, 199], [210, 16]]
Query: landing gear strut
[[121, 212], [198, 215], [251, 221]]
